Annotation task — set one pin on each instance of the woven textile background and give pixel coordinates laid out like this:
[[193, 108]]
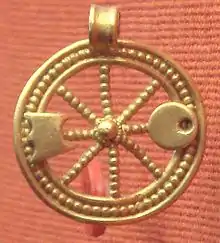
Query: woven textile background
[[189, 31]]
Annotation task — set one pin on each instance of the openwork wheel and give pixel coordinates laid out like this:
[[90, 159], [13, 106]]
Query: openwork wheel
[[177, 125]]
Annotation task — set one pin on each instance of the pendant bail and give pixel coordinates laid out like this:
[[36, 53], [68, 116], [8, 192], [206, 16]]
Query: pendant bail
[[103, 27]]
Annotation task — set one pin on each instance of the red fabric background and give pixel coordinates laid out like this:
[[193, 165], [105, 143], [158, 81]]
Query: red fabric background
[[31, 31]]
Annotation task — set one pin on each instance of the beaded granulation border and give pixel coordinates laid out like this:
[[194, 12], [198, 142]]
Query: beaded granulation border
[[141, 204]]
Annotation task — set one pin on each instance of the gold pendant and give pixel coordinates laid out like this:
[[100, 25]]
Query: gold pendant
[[177, 125]]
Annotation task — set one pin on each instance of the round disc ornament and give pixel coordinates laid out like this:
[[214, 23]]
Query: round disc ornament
[[176, 125]]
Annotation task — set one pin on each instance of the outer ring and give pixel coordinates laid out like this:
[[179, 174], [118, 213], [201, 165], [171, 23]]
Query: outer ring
[[113, 218]]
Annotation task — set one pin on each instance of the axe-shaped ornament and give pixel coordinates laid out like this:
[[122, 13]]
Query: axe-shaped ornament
[[47, 135]]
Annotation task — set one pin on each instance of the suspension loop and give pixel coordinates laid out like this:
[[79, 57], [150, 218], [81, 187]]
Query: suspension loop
[[103, 27]]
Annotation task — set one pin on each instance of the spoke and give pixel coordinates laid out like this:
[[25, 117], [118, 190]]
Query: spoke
[[105, 95], [75, 135], [139, 102], [86, 157], [75, 103], [114, 172], [140, 154], [135, 129]]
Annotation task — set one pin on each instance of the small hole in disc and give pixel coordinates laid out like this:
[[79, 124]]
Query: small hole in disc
[[185, 124]]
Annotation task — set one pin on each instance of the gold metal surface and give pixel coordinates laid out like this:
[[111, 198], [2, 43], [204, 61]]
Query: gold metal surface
[[173, 125], [45, 137], [103, 27], [177, 124]]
